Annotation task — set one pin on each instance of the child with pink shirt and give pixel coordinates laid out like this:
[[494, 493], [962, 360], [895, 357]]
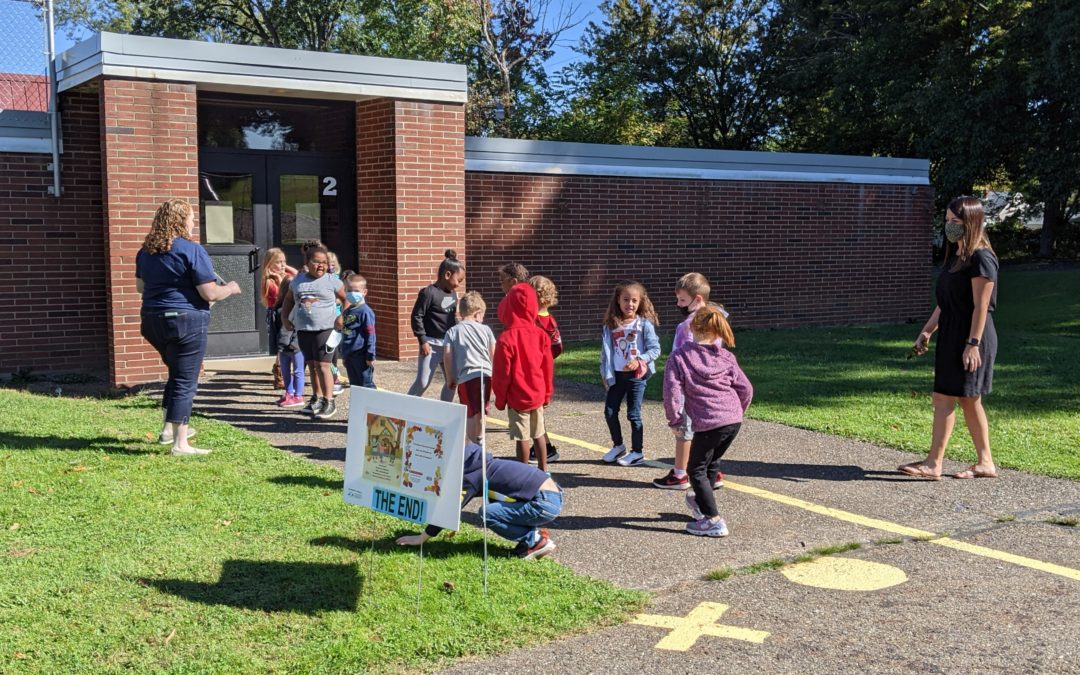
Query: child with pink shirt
[[703, 381]]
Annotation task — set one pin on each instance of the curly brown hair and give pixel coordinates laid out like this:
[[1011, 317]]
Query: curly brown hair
[[546, 292], [613, 317], [169, 223]]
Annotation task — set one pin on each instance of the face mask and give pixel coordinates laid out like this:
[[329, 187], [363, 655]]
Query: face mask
[[953, 231], [685, 311], [354, 297]]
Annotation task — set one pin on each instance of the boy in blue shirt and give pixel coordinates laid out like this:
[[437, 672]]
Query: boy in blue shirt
[[358, 334]]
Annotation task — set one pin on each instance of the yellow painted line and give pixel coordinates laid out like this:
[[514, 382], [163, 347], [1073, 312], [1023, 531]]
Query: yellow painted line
[[701, 620], [1034, 564], [855, 518]]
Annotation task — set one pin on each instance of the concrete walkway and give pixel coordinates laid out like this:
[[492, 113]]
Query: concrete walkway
[[995, 594]]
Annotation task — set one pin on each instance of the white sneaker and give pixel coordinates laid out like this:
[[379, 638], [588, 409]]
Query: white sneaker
[[190, 451], [614, 453], [691, 503], [631, 458], [166, 437]]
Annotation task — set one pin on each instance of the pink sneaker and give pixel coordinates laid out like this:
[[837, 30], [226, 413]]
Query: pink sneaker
[[281, 401], [293, 401]]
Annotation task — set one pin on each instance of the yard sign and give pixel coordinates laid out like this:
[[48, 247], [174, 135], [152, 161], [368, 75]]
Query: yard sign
[[403, 456]]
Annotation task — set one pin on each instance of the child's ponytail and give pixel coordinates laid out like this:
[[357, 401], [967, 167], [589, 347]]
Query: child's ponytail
[[709, 322]]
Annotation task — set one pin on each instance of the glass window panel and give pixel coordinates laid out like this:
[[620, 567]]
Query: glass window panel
[[261, 124], [226, 211]]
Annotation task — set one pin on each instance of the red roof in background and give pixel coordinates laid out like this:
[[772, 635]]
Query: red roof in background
[[24, 92]]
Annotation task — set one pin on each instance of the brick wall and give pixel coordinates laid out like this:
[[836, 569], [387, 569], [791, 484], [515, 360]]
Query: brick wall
[[150, 155], [52, 253], [777, 254], [410, 205]]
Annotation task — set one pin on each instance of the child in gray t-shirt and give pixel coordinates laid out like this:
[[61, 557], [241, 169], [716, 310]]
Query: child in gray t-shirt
[[470, 347]]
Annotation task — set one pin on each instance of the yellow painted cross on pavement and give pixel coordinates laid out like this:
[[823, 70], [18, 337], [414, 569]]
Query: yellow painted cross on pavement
[[700, 621]]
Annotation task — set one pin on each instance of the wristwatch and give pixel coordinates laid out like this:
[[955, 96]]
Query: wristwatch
[[974, 342]]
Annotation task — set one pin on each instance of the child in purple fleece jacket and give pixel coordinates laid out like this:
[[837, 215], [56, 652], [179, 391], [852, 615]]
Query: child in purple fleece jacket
[[702, 380]]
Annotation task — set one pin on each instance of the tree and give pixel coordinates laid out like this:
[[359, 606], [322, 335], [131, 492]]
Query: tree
[[699, 72]]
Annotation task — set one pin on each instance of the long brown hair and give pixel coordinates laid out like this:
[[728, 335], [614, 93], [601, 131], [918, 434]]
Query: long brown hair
[[709, 322], [168, 225], [613, 317], [969, 210]]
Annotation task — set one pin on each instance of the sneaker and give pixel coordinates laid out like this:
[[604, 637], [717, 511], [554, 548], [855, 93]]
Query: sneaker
[[318, 407], [281, 401], [309, 409], [166, 437], [614, 453], [552, 454], [691, 503], [293, 401], [671, 482], [338, 387], [719, 482], [632, 458], [190, 451], [706, 527], [327, 410], [541, 548]]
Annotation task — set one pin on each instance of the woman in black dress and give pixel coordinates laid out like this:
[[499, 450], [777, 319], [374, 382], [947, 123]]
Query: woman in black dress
[[967, 341]]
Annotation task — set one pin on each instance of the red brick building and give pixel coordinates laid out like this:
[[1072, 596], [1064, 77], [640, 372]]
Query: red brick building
[[277, 146]]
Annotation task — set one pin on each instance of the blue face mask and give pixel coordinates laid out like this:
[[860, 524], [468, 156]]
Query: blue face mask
[[354, 297]]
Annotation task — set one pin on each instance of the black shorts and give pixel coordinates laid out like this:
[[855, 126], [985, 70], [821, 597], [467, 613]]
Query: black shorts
[[313, 345]]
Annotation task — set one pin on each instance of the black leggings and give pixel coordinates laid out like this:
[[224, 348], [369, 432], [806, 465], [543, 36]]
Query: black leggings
[[705, 452]]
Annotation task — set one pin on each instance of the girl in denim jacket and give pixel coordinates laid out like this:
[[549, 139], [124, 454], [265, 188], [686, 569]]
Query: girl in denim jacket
[[628, 353]]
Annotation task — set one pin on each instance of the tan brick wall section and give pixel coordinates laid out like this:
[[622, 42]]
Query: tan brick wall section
[[410, 206], [150, 154]]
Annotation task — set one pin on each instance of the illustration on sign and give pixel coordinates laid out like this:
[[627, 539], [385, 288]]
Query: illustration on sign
[[382, 451]]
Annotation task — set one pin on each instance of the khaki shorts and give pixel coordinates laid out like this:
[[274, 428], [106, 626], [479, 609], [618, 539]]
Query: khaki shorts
[[527, 425]]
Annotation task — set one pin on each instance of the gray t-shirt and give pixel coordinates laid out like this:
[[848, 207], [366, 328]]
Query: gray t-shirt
[[316, 301], [470, 344]]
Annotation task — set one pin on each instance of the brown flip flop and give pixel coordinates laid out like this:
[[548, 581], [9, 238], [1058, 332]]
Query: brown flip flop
[[918, 470], [972, 472]]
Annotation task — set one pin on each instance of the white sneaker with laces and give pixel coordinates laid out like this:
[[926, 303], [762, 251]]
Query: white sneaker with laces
[[631, 458], [614, 453]]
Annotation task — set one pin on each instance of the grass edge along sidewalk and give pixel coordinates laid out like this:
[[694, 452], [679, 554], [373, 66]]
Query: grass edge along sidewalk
[[117, 556], [855, 381]]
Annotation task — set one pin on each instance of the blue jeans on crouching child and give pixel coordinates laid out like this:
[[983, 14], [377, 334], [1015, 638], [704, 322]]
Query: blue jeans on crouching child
[[633, 390], [517, 521]]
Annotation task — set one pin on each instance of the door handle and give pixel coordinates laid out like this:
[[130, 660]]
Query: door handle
[[253, 260]]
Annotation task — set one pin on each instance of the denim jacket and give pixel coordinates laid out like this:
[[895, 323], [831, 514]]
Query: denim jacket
[[648, 345]]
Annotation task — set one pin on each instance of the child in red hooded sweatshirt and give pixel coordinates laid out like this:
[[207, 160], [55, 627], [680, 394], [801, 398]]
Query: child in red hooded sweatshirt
[[522, 376]]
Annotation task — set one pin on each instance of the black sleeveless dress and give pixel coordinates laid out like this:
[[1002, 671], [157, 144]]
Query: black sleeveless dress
[[957, 302]]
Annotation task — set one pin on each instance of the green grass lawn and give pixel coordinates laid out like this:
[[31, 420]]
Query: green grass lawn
[[116, 556], [854, 381]]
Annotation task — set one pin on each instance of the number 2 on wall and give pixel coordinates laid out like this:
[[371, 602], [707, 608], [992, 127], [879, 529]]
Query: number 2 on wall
[[329, 186]]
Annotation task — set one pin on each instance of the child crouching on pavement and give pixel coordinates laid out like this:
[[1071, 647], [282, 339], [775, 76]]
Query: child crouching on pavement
[[703, 380], [525, 499]]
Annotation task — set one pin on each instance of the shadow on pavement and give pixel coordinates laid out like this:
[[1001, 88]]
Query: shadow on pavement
[[801, 472]]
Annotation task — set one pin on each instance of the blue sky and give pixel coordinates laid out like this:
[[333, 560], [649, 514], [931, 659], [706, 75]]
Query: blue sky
[[23, 55]]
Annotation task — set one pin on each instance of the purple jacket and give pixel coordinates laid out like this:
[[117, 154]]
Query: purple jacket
[[706, 382]]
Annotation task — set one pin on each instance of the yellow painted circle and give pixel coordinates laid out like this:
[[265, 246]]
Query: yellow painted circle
[[845, 574]]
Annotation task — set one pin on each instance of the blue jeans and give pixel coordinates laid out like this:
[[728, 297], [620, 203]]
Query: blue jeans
[[292, 371], [361, 372], [179, 336], [518, 521], [633, 390]]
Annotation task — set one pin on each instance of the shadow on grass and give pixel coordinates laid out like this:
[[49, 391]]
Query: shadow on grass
[[106, 444], [437, 548], [272, 587], [308, 481]]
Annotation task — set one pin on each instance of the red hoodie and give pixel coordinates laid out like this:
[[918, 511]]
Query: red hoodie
[[522, 375]]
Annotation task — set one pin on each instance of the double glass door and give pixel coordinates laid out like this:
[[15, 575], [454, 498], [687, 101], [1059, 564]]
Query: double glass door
[[251, 201]]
